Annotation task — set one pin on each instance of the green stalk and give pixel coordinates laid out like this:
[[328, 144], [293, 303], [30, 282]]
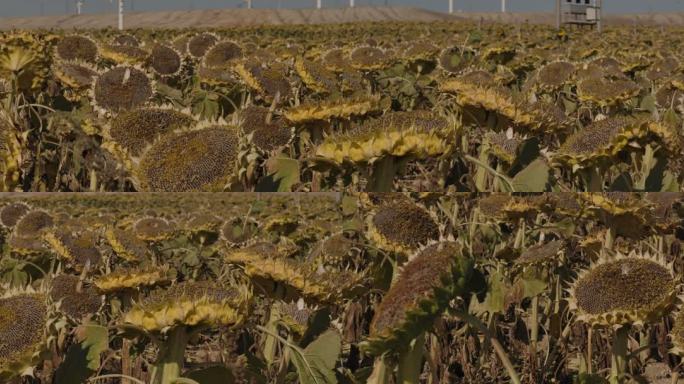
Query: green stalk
[[270, 341], [411, 362], [534, 328], [382, 175], [381, 372], [171, 357], [618, 365], [610, 238]]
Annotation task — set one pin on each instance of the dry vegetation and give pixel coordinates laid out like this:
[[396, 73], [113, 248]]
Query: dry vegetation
[[347, 107], [319, 288]]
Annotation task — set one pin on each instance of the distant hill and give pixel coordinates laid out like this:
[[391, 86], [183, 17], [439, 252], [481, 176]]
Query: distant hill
[[228, 18], [245, 17]]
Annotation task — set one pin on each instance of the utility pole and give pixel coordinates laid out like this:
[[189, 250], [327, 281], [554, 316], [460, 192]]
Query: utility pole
[[79, 6]]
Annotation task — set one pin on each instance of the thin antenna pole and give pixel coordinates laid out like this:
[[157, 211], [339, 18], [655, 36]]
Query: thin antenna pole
[[121, 15]]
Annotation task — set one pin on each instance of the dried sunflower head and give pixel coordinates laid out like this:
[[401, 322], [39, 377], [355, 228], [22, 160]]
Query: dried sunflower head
[[77, 47], [23, 332], [134, 130], [238, 231], [199, 44], [401, 227], [336, 60], [626, 212], [201, 159], [333, 108], [677, 333], [153, 229], [540, 255], [12, 212], [421, 50], [124, 54], [80, 249], [33, 224], [622, 290], [222, 54], [121, 88], [127, 279], [194, 305], [294, 315], [418, 134], [264, 129], [426, 284], [504, 145], [10, 155], [554, 76], [316, 76], [455, 59], [606, 92], [126, 39], [126, 245], [600, 140], [269, 81], [368, 58], [77, 299], [165, 60], [79, 77]]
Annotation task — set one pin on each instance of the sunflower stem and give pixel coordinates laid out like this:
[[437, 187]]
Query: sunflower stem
[[411, 362], [270, 341], [171, 357], [618, 365], [381, 372], [382, 175]]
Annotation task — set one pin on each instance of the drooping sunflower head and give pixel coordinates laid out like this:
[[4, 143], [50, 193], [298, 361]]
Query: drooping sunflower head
[[222, 54], [239, 231], [336, 60], [23, 332], [369, 58], [333, 108], [417, 134], [540, 255], [121, 88], [199, 44], [455, 59], [165, 60], [269, 81], [77, 47], [201, 159], [127, 279], [126, 39], [294, 315], [75, 298], [134, 130], [677, 333], [504, 145], [33, 224], [79, 249], [599, 140], [202, 223], [555, 75], [421, 50], [625, 289], [266, 130], [12, 212], [426, 284], [401, 227], [193, 305], [127, 245], [316, 76], [605, 92], [338, 250], [153, 229], [78, 77], [124, 54], [626, 212]]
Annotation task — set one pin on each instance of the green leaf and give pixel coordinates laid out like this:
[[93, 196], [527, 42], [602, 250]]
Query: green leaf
[[283, 175], [534, 178], [83, 358], [495, 300], [316, 363], [212, 375], [648, 103]]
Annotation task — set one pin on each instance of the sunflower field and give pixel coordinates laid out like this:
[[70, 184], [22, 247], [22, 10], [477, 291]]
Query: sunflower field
[[351, 288], [374, 107]]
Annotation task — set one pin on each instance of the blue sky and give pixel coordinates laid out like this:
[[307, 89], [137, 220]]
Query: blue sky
[[10, 8]]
